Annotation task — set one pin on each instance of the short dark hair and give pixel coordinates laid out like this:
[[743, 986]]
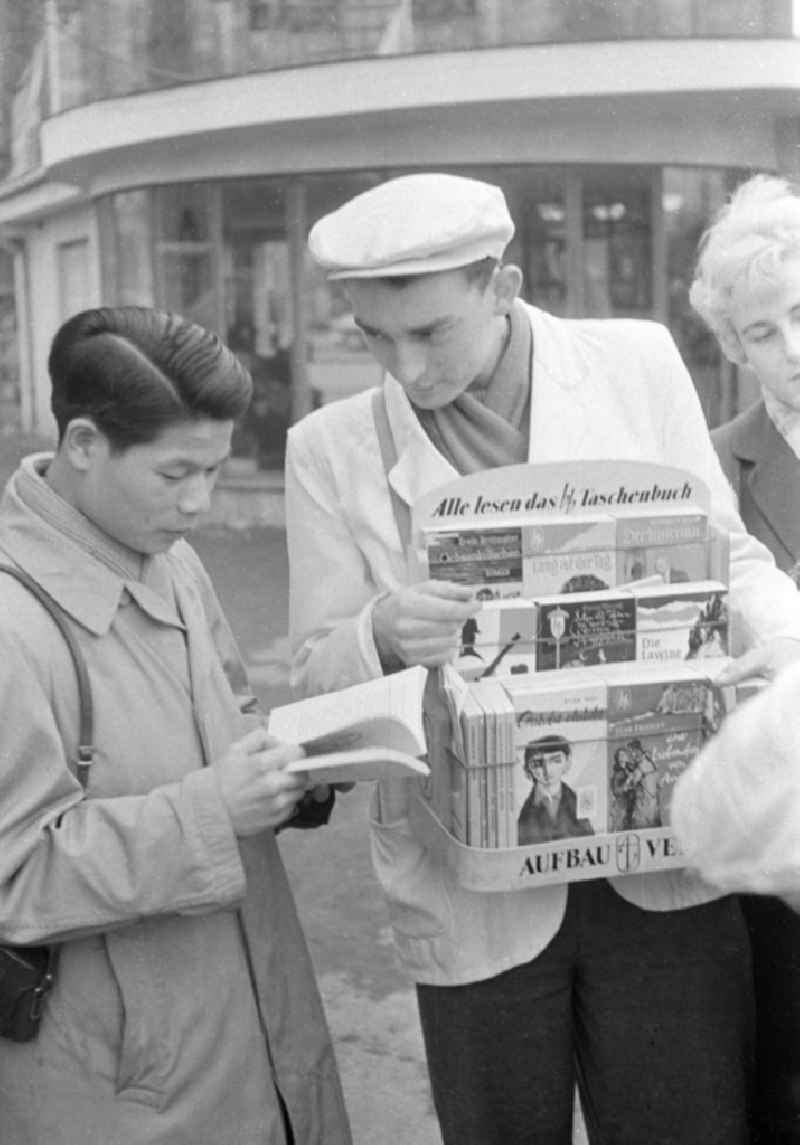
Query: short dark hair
[[546, 745], [476, 273], [135, 371]]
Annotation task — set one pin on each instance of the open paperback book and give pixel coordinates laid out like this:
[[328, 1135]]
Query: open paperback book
[[368, 731]]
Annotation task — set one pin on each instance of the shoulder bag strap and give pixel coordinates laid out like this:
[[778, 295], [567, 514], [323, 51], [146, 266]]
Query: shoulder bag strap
[[86, 730], [402, 513]]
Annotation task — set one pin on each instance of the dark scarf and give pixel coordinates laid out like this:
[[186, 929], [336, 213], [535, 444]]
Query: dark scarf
[[488, 425]]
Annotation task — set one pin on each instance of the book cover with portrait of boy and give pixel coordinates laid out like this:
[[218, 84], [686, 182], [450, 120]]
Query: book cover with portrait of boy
[[560, 786]]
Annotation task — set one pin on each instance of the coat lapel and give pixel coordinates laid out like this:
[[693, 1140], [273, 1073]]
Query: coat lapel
[[562, 424], [420, 467], [771, 473]]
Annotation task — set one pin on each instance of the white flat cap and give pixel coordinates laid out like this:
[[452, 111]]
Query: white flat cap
[[417, 224]]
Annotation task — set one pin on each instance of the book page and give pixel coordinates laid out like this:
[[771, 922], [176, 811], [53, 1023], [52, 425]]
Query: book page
[[386, 712], [362, 764]]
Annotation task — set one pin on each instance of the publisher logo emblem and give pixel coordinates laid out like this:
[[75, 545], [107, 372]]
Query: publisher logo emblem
[[629, 854]]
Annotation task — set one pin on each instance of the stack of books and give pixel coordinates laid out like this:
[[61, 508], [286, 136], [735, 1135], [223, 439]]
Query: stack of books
[[578, 753]]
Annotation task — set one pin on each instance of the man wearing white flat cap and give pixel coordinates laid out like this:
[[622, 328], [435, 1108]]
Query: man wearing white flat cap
[[612, 981]]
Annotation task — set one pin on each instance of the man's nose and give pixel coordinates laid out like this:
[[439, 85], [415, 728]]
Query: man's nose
[[196, 495], [410, 361]]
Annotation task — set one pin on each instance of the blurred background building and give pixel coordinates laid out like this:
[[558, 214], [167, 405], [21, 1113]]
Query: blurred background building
[[176, 152]]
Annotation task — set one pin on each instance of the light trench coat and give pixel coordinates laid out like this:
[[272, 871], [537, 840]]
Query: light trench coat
[[601, 389], [185, 997]]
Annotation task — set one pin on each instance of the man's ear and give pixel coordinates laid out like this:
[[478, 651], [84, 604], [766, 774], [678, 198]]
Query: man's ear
[[81, 442], [507, 283]]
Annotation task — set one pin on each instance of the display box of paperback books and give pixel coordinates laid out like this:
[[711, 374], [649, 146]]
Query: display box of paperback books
[[585, 684]]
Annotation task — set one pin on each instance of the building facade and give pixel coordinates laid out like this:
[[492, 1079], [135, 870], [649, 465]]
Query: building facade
[[176, 152]]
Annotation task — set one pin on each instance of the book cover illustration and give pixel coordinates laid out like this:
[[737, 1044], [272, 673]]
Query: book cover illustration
[[666, 526], [553, 573], [567, 535], [488, 559], [682, 695], [559, 740], [585, 629], [499, 641], [643, 768], [672, 564], [686, 622], [656, 725]]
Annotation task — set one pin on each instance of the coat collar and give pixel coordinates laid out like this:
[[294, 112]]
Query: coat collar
[[751, 432], [82, 569], [772, 473], [558, 372]]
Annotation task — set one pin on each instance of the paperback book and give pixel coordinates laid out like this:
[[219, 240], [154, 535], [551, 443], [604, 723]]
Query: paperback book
[[368, 731]]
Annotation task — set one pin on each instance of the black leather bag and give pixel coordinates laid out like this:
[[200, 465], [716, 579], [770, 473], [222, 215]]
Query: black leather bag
[[27, 973]]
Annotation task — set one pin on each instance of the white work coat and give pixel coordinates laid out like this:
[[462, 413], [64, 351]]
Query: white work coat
[[601, 389]]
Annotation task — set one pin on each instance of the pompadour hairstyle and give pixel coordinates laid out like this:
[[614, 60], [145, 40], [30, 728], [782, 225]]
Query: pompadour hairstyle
[[135, 371]]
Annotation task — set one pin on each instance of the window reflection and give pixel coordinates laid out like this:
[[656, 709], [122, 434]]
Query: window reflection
[[691, 198], [617, 244], [132, 264], [257, 310], [338, 361], [184, 252]]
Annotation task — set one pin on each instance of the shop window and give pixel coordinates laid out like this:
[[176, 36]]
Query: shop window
[[617, 244], [292, 15], [265, 14], [184, 253], [440, 11], [539, 248], [74, 293], [691, 198], [338, 361], [131, 264], [169, 42], [258, 316]]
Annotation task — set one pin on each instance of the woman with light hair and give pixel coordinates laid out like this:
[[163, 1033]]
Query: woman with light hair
[[747, 289]]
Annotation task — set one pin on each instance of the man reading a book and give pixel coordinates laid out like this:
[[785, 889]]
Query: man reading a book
[[551, 809], [184, 1006], [474, 379]]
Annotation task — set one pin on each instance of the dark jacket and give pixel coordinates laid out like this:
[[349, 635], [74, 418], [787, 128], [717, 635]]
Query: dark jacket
[[535, 825], [765, 475]]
